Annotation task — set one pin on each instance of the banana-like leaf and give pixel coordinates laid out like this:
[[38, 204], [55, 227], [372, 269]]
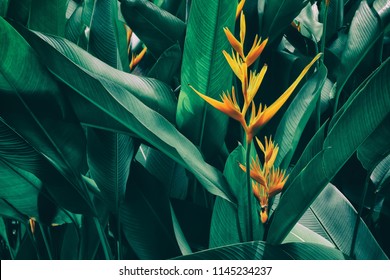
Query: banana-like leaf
[[312, 149], [296, 117], [157, 28], [383, 9], [34, 108], [180, 238], [364, 32], [48, 16], [109, 153], [107, 104], [381, 174], [336, 217], [146, 217], [205, 68], [260, 250], [103, 42], [151, 92], [376, 146], [350, 131], [167, 65], [233, 227], [300, 233], [277, 17]]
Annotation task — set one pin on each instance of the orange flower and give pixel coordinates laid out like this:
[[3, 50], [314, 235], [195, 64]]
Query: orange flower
[[261, 194], [135, 59], [240, 6]]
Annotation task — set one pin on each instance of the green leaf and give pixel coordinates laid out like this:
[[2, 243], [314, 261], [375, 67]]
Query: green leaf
[[381, 174], [205, 68], [157, 28], [146, 218], [109, 153], [260, 250], [180, 238], [106, 104], [300, 233], [375, 147], [337, 217], [296, 117], [43, 118], [167, 65], [48, 16], [364, 32], [350, 131], [277, 17], [103, 42]]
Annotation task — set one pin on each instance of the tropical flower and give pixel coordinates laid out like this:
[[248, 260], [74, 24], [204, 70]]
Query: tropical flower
[[135, 59], [240, 6], [267, 180]]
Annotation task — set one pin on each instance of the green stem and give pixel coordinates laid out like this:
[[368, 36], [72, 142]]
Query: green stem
[[249, 193], [45, 240], [103, 239], [119, 241], [324, 24], [34, 242], [359, 214]]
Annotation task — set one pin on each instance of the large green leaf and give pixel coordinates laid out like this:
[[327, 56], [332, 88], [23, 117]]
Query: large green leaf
[[350, 131], [277, 17], [146, 217], [336, 216], [376, 146], [381, 174], [4, 7], [102, 102], [260, 250], [157, 28], [205, 68], [296, 117], [48, 16], [33, 106], [109, 153], [301, 233], [364, 32]]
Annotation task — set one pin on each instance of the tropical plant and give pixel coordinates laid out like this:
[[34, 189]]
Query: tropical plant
[[116, 142]]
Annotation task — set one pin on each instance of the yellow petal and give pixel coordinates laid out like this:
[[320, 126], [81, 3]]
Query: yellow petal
[[242, 28], [255, 81], [239, 8], [32, 225], [255, 51], [228, 106], [237, 46], [235, 64], [277, 181]]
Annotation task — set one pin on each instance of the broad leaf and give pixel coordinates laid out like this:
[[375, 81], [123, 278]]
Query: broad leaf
[[48, 16], [336, 216], [277, 16], [205, 68], [296, 117], [350, 131], [381, 174], [43, 117], [260, 250], [363, 33], [146, 217], [300, 233], [109, 153], [157, 28], [376, 146], [107, 104]]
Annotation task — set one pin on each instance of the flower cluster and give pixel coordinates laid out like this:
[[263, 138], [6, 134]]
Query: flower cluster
[[240, 62], [267, 180]]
